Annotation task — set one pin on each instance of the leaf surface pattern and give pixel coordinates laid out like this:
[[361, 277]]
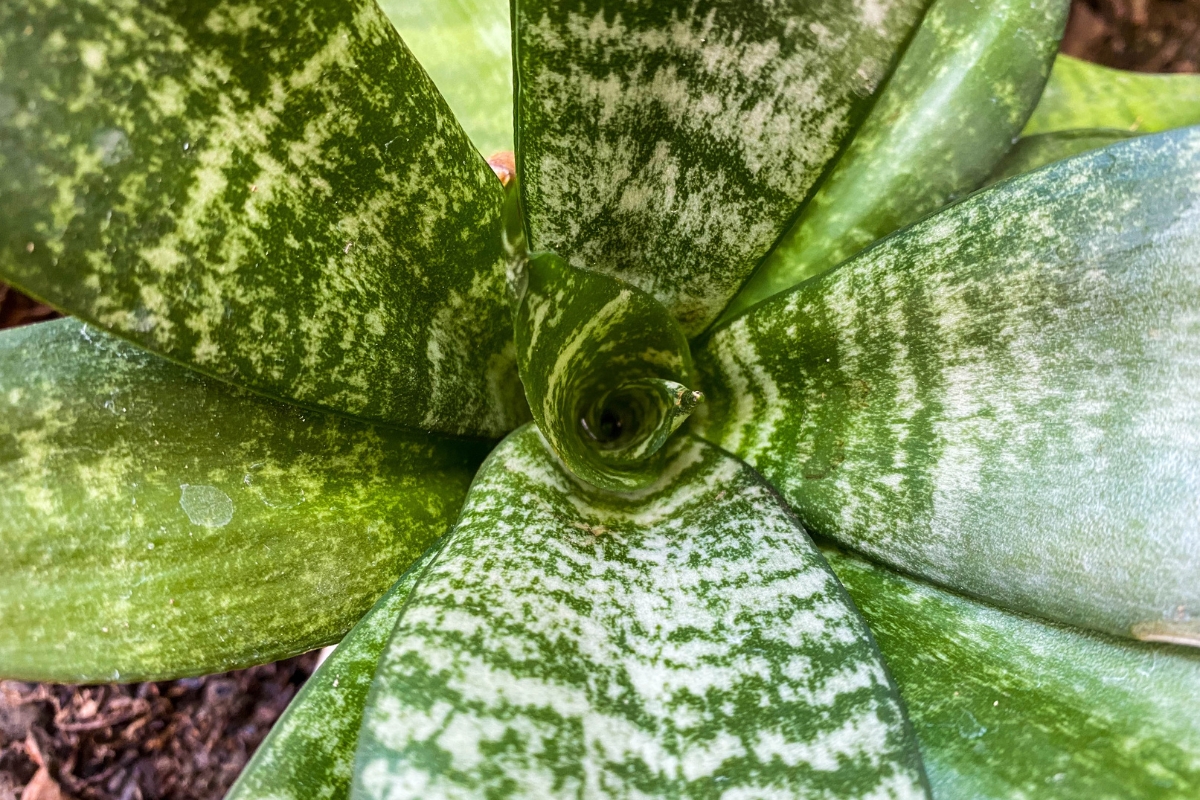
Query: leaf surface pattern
[[690, 642]]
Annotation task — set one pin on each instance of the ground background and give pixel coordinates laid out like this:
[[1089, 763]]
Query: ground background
[[189, 739]]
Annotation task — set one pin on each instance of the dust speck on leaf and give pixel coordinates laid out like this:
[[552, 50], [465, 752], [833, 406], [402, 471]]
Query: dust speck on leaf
[[206, 505]]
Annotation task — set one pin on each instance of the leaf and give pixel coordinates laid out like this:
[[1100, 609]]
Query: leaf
[[1082, 95], [604, 366], [310, 749], [960, 95], [1033, 152], [1001, 398], [273, 194], [155, 523], [669, 144], [686, 641], [466, 47], [1005, 706]]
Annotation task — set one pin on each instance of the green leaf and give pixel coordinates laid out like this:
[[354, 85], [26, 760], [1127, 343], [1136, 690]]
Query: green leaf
[[155, 523], [1033, 152], [1000, 398], [271, 193], [466, 47], [1083, 95], [669, 144], [310, 750], [960, 95], [604, 366], [1005, 706], [687, 641]]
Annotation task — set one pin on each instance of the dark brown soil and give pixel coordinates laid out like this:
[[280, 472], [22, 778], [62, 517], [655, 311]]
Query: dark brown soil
[[17, 309], [184, 740], [189, 739], [1143, 35]]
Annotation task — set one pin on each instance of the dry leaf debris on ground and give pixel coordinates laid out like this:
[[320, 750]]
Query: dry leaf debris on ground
[[189, 739], [185, 739]]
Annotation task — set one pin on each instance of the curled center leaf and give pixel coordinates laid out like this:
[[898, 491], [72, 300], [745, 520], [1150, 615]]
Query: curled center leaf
[[606, 370]]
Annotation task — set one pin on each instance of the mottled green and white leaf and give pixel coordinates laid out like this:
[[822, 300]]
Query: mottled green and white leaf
[[309, 753], [685, 641], [605, 369], [271, 193], [1034, 152], [670, 144], [1006, 706], [155, 523], [960, 95], [1001, 398]]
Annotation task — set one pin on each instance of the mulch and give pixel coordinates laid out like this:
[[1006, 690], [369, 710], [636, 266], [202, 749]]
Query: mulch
[[186, 739], [189, 739]]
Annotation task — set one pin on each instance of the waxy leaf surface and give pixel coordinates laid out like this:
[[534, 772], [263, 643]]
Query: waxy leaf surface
[[686, 641], [1006, 706], [1083, 95], [963, 90], [604, 367], [670, 143], [466, 47], [271, 193], [310, 750], [155, 523], [1033, 152], [1001, 398]]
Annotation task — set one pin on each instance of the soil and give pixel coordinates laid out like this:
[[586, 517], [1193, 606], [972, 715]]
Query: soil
[[189, 739], [1142, 35], [184, 740]]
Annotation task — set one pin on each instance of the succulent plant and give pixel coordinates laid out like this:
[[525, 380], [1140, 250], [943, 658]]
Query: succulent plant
[[557, 442]]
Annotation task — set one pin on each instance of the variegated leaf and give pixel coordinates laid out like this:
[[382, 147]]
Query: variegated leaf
[[1082, 95], [963, 90], [155, 523], [686, 641], [1001, 398], [271, 193], [669, 144], [466, 47], [605, 369], [1033, 152], [1005, 706], [310, 750]]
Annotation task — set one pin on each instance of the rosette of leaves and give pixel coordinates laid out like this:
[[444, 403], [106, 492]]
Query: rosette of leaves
[[546, 455]]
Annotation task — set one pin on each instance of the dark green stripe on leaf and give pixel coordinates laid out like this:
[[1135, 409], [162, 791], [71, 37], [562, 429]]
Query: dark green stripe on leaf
[[1005, 706], [1001, 398], [272, 193], [605, 369], [670, 143], [962, 92], [687, 641], [310, 750], [155, 523]]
